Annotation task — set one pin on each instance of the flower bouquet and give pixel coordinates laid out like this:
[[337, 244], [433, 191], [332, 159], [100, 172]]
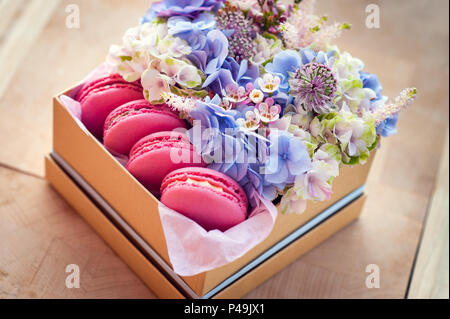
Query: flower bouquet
[[262, 77]]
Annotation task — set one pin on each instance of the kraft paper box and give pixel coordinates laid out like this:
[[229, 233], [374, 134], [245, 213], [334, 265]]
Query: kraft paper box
[[139, 210]]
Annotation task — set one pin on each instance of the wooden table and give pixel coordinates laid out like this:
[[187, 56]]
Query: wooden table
[[40, 235]]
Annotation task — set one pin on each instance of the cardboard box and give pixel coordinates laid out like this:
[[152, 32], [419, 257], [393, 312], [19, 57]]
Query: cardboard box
[[151, 273], [138, 209]]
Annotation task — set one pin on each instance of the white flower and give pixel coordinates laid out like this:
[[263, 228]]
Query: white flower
[[246, 5], [154, 84], [349, 84], [150, 34], [234, 93], [188, 76], [169, 66], [348, 66], [226, 104], [291, 203], [315, 127], [354, 133], [122, 63], [313, 185], [330, 155], [174, 46], [384, 111], [349, 134], [269, 83], [149, 52], [269, 113], [256, 96], [265, 49], [251, 121]]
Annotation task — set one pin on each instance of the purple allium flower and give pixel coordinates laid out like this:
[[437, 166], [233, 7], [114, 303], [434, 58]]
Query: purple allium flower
[[191, 8], [240, 32], [314, 85], [288, 61]]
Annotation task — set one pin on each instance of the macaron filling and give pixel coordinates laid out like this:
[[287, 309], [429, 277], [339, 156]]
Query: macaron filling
[[116, 117], [204, 183]]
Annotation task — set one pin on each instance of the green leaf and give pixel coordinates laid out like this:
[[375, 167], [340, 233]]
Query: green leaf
[[267, 61], [351, 160], [269, 36], [371, 147]]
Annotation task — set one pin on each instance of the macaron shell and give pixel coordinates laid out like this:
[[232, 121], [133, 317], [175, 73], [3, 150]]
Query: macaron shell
[[211, 176], [123, 134], [150, 165], [105, 80], [216, 201], [206, 206], [99, 103]]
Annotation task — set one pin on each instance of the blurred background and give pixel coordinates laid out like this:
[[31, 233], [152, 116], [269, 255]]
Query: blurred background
[[404, 226]]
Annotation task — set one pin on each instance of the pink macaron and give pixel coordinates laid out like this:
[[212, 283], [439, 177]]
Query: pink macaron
[[156, 155], [132, 121], [101, 96], [210, 198]]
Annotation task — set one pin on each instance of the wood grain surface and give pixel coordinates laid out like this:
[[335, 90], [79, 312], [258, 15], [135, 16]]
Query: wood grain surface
[[40, 235], [430, 275]]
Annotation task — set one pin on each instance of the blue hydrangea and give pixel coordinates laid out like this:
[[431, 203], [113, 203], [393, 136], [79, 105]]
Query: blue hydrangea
[[371, 81], [288, 157], [193, 31], [191, 8], [388, 126], [231, 72]]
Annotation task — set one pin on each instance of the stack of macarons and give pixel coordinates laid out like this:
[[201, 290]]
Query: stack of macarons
[[156, 155], [160, 156], [130, 122]]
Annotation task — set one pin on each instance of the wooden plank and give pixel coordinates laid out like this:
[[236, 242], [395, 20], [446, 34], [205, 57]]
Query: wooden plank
[[20, 38], [430, 276], [9, 10], [40, 235]]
